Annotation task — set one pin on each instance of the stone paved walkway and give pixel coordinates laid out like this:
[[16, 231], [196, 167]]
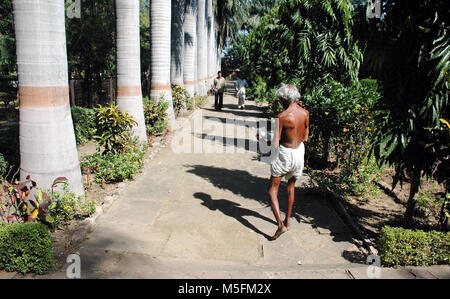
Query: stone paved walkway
[[207, 215]]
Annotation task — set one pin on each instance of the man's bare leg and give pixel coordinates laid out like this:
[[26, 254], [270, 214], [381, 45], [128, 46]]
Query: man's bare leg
[[290, 200], [273, 195]]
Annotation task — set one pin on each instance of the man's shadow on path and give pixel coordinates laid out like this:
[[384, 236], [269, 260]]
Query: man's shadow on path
[[308, 208], [233, 109], [234, 210]]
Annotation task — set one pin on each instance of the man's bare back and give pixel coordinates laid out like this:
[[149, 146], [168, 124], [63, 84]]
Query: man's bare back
[[293, 126]]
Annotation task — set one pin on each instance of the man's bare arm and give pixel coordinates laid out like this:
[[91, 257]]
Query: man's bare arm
[[276, 142], [307, 126]]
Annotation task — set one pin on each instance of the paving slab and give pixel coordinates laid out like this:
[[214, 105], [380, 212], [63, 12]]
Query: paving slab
[[432, 272], [7, 275]]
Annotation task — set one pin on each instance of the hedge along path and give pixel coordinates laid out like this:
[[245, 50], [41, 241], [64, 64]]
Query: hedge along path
[[129, 94], [47, 139], [25, 247]]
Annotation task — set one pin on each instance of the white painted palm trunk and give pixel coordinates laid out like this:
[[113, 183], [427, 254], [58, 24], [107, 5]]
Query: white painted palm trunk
[[201, 47], [160, 27], [177, 51], [216, 51], [47, 140], [129, 92], [190, 38], [210, 63], [218, 58], [195, 62]]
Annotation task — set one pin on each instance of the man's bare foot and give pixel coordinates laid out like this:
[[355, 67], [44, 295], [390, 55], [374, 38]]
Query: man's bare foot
[[286, 224], [278, 233]]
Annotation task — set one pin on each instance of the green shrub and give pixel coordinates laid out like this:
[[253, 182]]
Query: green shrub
[[180, 97], [85, 122], [257, 91], [341, 118], [362, 181], [155, 117], [260, 94], [111, 167], [404, 247], [199, 101], [195, 101], [25, 248], [353, 143], [3, 165], [113, 132], [190, 103], [66, 205]]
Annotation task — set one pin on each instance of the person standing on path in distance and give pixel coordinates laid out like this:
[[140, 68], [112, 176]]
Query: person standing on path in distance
[[293, 131], [219, 89], [241, 84]]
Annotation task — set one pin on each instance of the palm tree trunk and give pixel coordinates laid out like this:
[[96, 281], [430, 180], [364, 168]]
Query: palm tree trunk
[[177, 50], [160, 24], [210, 30], [411, 205], [190, 41], [215, 46], [129, 91], [47, 139], [217, 56], [201, 47]]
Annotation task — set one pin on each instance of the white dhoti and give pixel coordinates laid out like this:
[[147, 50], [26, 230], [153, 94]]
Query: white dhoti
[[289, 162], [241, 96]]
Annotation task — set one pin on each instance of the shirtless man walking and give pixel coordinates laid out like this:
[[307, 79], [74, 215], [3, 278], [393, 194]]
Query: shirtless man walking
[[293, 131]]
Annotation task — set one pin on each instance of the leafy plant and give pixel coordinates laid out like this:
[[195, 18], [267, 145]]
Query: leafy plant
[[26, 203], [353, 142], [155, 117], [65, 206], [3, 165], [190, 103], [362, 181], [342, 115], [111, 168], [180, 97], [113, 132], [199, 101], [257, 91]]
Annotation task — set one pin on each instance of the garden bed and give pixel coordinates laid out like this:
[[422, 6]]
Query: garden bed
[[379, 206], [387, 207]]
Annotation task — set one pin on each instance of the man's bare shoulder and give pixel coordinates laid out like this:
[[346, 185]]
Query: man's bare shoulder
[[285, 114], [303, 110]]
